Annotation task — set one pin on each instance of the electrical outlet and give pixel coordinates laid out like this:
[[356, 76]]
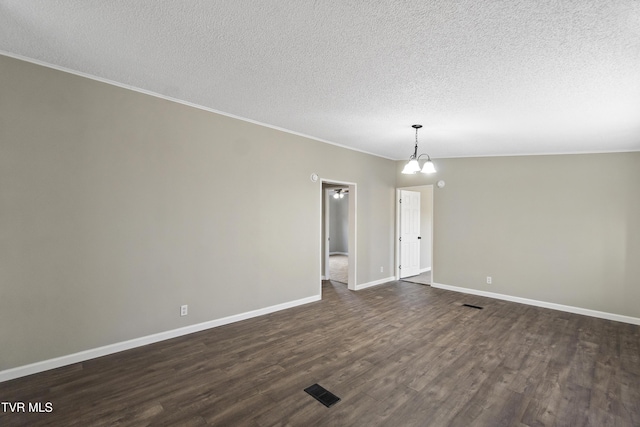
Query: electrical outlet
[[381, 269], [184, 310], [488, 280]]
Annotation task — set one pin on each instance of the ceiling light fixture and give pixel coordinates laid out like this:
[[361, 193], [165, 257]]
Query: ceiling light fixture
[[414, 166], [338, 194]]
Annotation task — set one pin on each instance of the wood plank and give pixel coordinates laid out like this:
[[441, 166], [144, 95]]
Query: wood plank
[[396, 354]]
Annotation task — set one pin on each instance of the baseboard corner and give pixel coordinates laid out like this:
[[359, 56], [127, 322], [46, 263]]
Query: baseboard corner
[[70, 359], [375, 283], [544, 304]]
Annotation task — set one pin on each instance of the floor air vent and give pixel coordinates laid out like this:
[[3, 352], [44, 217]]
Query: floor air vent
[[322, 395], [472, 306]]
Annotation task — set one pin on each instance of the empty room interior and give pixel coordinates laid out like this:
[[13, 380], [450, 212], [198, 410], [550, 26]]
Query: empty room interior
[[320, 213]]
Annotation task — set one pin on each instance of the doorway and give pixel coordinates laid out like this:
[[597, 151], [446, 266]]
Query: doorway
[[339, 224], [414, 236], [338, 234]]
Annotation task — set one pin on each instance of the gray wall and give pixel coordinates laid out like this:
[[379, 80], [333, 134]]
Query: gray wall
[[117, 207], [339, 224], [562, 229]]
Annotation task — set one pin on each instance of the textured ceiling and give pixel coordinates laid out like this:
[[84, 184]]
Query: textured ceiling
[[483, 77]]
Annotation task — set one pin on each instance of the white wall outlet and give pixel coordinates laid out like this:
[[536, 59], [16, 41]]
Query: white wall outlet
[[381, 269], [184, 310], [488, 280]]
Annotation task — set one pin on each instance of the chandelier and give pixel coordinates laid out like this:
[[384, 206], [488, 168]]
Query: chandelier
[[413, 165]]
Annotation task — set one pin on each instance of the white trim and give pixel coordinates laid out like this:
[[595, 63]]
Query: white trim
[[544, 304], [180, 101], [397, 236], [70, 359], [338, 253], [544, 153], [325, 233], [222, 113], [375, 283], [353, 231], [352, 241], [396, 240]]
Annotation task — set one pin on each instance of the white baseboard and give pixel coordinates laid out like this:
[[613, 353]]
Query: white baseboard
[[70, 359], [375, 283], [424, 270], [544, 304]]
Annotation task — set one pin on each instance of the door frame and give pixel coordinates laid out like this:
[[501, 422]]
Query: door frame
[[353, 232], [397, 240], [409, 270]]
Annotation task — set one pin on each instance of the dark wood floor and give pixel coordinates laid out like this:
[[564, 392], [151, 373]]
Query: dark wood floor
[[399, 354]]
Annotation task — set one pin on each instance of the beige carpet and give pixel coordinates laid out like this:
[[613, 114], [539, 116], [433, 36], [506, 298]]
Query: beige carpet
[[423, 278], [339, 268]]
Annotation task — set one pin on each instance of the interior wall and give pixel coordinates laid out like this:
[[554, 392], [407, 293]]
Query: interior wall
[[339, 225], [563, 229], [118, 207]]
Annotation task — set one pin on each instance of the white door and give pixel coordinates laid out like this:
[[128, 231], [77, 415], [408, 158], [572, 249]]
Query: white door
[[409, 233]]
